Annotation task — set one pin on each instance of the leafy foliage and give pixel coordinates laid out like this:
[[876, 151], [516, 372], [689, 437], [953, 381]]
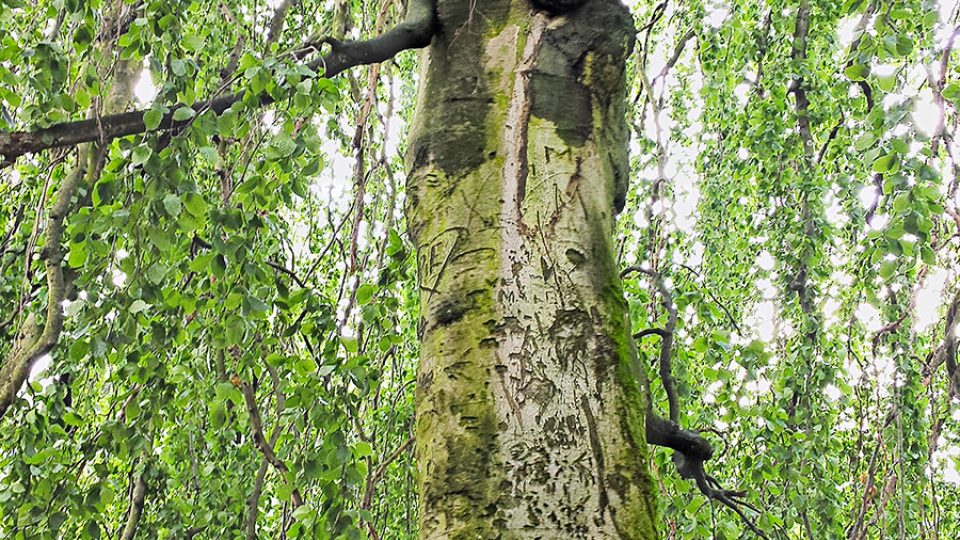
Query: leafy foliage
[[799, 194], [240, 315], [232, 256]]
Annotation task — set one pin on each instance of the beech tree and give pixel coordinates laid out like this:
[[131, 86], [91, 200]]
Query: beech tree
[[219, 324]]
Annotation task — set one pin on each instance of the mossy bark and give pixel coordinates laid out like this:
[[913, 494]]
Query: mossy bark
[[529, 404]]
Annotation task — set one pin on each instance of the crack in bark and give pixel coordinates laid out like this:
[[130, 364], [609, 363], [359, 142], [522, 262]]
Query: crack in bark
[[604, 501], [515, 169]]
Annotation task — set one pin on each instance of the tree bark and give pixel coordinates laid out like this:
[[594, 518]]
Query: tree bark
[[530, 400]]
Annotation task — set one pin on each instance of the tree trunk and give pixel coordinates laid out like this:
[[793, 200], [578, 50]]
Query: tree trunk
[[530, 405]]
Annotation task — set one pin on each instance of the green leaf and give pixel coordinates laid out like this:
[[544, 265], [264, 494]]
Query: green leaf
[[305, 366], [200, 263], [218, 415], [362, 450], [171, 203], [857, 72], [218, 265], [159, 238], [56, 521], [152, 119], [887, 83], [156, 273], [193, 42], [78, 255], [195, 205], [867, 140], [886, 163], [178, 67], [853, 6], [951, 92], [365, 293], [350, 344], [901, 202], [209, 154], [254, 305], [282, 146], [248, 61], [133, 410], [904, 45], [72, 419], [887, 269], [183, 113], [137, 306], [141, 154], [284, 491]]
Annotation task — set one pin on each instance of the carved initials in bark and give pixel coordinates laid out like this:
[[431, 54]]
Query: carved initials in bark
[[532, 424]]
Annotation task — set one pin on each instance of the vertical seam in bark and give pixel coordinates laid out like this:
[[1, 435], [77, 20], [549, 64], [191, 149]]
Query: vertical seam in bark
[[518, 119], [604, 500], [511, 401]]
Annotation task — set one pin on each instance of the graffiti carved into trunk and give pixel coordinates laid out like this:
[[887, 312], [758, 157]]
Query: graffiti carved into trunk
[[530, 408]]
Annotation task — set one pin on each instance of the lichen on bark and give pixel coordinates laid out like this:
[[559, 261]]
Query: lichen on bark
[[530, 405]]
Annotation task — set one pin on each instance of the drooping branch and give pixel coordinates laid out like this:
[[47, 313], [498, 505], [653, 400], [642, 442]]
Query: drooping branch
[[798, 85], [691, 450], [666, 336], [138, 494], [253, 500], [34, 341], [119, 24], [377, 474], [279, 17], [946, 353], [266, 447], [416, 31], [677, 52]]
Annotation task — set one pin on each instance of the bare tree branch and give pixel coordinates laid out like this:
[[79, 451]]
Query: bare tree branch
[[279, 17], [253, 501], [691, 451], [33, 341]]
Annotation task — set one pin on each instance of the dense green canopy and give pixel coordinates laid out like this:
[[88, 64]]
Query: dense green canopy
[[228, 347]]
